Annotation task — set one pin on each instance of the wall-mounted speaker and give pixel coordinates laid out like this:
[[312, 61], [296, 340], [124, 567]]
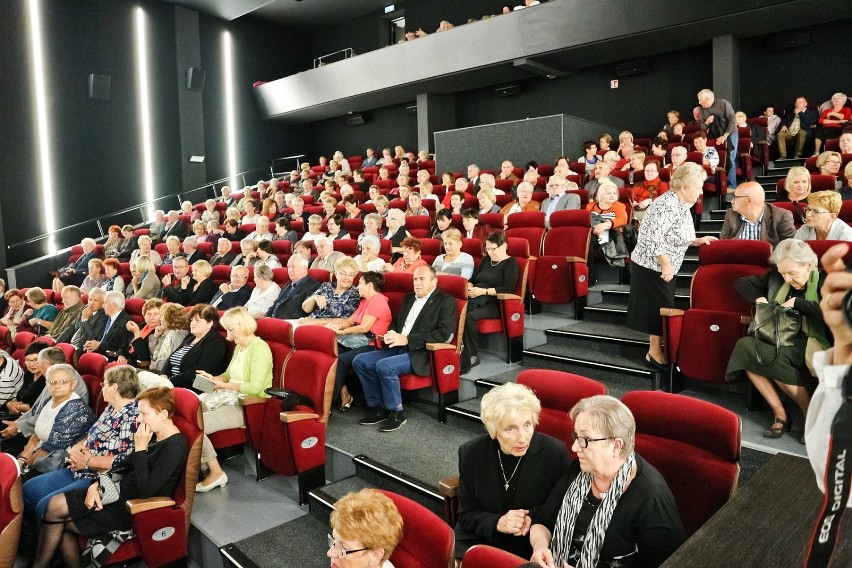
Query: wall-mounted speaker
[[355, 120], [195, 79], [99, 86], [632, 68], [507, 90], [788, 41]]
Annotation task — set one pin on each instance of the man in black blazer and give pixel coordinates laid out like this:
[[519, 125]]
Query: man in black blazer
[[175, 289], [426, 316], [223, 253], [234, 294], [174, 227], [288, 305], [115, 338], [91, 323]]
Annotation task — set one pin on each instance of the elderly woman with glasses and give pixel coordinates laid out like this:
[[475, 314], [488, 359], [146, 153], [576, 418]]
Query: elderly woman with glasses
[[63, 420], [109, 441], [829, 165], [821, 220], [617, 509], [314, 229], [365, 528], [338, 299], [496, 275], [507, 475]]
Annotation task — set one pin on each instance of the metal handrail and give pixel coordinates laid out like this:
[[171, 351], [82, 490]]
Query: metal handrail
[[347, 53], [142, 207]]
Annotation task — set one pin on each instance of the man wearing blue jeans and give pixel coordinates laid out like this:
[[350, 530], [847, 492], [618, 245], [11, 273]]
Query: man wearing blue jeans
[[719, 121], [426, 316]]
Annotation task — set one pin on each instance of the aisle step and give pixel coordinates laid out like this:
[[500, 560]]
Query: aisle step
[[619, 294], [600, 366], [383, 476]]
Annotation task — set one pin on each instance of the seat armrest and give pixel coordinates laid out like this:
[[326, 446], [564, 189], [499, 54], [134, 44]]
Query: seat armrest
[[249, 400], [671, 312], [575, 259], [745, 320], [509, 297], [449, 486], [292, 416], [135, 506], [439, 346]]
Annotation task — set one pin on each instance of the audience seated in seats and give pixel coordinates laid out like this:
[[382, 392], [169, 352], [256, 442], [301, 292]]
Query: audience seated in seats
[[773, 124], [252, 215], [523, 203], [39, 313], [602, 171], [174, 226], [334, 300], [845, 142], [846, 190], [829, 164], [261, 231], [144, 340], [415, 206], [16, 313], [608, 216], [590, 156], [269, 210], [616, 504], [603, 143], [334, 226], [169, 335], [673, 117], [821, 220], [199, 231], [615, 161], [832, 120], [370, 159], [91, 323], [115, 338], [497, 276], [223, 254], [365, 521], [369, 259], [129, 244], [153, 470], [327, 258], [487, 201], [177, 285], [557, 199], [710, 155], [797, 188], [510, 413], [507, 171], [109, 441], [304, 250], [113, 242], [795, 282], [172, 250], [649, 189], [678, 155], [145, 250], [75, 272], [350, 204], [288, 304], [443, 221], [283, 232], [751, 218], [72, 302], [410, 260], [473, 229], [226, 197], [232, 231], [427, 315], [372, 227], [248, 253], [461, 185], [11, 377], [473, 177], [658, 151], [756, 133], [156, 229], [454, 261], [396, 232], [234, 293], [203, 349], [210, 213], [265, 255], [263, 294], [191, 252], [248, 374], [32, 380], [796, 124], [382, 205], [62, 420], [425, 189]]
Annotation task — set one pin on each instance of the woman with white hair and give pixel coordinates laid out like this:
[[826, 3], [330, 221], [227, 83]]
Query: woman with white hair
[[507, 475], [832, 120], [369, 259], [75, 272], [617, 509], [144, 243]]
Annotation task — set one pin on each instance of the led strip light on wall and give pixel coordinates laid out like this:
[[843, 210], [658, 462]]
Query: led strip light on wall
[[230, 121], [144, 111]]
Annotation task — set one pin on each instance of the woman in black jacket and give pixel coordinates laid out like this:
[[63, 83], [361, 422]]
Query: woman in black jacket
[[204, 349]]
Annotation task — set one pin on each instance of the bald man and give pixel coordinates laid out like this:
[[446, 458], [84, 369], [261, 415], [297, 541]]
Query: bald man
[[751, 218]]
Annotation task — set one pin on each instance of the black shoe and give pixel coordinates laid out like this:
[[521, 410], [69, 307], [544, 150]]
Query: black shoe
[[374, 416], [394, 421], [778, 427]]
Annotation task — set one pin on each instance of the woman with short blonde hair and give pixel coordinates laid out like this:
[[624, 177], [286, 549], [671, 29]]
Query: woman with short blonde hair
[[366, 521], [821, 221]]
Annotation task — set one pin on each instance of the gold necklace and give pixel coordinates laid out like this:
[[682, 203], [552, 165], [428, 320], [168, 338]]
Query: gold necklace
[[503, 472]]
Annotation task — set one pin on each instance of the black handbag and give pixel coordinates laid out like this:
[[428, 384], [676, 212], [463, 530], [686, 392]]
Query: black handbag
[[289, 399], [774, 325]]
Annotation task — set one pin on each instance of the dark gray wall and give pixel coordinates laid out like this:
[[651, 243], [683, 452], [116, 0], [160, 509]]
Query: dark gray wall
[[361, 34], [385, 127]]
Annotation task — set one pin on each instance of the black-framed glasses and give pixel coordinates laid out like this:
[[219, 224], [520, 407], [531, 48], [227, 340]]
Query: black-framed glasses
[[342, 552], [584, 441], [735, 196]]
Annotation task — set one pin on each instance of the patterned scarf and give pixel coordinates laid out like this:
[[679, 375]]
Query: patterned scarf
[[563, 533]]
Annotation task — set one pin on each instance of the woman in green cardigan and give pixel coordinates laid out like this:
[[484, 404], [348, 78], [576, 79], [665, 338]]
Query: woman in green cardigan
[[249, 373]]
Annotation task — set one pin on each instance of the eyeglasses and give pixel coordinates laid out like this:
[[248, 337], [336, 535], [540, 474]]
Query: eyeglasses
[[342, 552], [491, 249], [835, 161], [735, 196], [583, 442], [346, 275], [31, 359], [815, 211], [59, 382]]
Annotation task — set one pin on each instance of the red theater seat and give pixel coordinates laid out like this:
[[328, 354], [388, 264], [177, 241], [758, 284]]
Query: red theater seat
[[427, 541], [562, 272], [11, 509]]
